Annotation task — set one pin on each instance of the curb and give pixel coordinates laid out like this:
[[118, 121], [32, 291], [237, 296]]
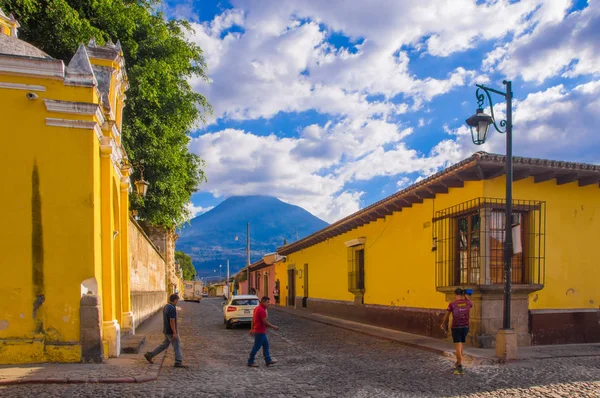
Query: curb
[[145, 378], [445, 353]]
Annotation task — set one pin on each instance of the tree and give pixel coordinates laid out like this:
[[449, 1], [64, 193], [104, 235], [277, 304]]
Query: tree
[[161, 106], [185, 262]]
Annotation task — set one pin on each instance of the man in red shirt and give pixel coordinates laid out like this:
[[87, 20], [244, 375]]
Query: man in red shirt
[[460, 310], [259, 331]]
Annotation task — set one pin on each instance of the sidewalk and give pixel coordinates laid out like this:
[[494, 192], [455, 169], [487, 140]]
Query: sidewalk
[[127, 368], [472, 355]]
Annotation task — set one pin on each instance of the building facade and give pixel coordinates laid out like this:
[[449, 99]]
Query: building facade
[[397, 262], [66, 208]]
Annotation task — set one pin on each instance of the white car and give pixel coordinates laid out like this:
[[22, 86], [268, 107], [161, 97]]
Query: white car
[[239, 309]]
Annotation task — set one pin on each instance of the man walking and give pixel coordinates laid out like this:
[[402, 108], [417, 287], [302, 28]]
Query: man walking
[[171, 333], [460, 310], [259, 331]]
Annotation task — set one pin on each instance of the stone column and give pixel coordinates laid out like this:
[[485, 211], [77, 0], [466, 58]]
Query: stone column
[[92, 348]]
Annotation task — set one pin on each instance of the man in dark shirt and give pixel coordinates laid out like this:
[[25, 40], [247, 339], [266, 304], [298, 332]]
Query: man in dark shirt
[[259, 331], [460, 310], [170, 331]]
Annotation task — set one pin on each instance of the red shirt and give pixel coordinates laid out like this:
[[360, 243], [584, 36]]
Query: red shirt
[[259, 316], [460, 313]]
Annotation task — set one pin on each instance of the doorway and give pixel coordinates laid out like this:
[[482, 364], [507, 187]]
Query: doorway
[[292, 287]]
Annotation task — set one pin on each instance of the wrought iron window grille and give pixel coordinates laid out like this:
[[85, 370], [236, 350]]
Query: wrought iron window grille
[[469, 241]]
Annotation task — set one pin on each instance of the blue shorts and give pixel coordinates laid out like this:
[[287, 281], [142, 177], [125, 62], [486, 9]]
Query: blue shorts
[[459, 335]]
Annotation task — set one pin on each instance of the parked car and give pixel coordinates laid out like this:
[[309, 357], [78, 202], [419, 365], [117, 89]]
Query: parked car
[[204, 294], [239, 310]]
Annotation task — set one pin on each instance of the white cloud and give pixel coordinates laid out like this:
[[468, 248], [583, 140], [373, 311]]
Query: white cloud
[[568, 47], [195, 211], [403, 182]]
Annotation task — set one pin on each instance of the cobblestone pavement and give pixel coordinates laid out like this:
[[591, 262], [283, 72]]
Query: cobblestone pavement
[[317, 360]]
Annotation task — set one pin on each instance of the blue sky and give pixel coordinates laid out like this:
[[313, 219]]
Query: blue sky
[[332, 105]]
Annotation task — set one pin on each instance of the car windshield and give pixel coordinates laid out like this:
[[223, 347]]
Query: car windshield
[[244, 302]]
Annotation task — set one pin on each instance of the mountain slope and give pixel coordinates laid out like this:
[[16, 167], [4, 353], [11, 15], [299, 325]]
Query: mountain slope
[[211, 237]]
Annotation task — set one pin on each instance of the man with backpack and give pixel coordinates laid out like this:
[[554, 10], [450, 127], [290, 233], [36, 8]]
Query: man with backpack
[[460, 310]]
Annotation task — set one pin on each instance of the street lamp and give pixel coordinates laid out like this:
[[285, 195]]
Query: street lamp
[[480, 124], [220, 271], [141, 185]]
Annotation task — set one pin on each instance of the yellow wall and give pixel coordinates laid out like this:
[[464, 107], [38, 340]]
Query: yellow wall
[[400, 266], [572, 233], [68, 207], [399, 263]]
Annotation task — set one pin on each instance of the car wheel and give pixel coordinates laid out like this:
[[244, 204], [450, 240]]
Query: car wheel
[[228, 325]]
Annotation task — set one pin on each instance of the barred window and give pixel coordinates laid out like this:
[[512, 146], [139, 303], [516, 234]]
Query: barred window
[[356, 268], [470, 238]]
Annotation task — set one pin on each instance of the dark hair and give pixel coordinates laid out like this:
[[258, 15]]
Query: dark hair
[[265, 299], [459, 291], [173, 298]]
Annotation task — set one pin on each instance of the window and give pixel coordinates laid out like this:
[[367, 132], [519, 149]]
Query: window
[[244, 302], [469, 243], [468, 248], [356, 268]]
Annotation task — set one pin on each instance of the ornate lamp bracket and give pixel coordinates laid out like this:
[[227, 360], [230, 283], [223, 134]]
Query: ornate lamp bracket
[[479, 94]]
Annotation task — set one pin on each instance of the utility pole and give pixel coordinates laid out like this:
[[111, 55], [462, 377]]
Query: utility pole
[[227, 283], [248, 258]]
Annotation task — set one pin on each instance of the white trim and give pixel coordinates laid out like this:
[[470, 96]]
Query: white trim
[[18, 86], [564, 311], [75, 124], [71, 123], [32, 66], [355, 242], [76, 108]]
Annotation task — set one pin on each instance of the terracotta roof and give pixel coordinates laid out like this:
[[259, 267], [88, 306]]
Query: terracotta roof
[[479, 166], [258, 265], [10, 45]]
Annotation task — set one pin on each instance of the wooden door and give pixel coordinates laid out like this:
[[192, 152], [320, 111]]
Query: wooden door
[[291, 287]]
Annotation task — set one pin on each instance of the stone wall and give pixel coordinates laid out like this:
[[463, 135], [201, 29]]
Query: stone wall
[[148, 274], [164, 241]]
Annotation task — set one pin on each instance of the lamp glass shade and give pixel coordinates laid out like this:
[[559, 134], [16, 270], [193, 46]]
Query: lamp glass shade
[[480, 125], [141, 187]]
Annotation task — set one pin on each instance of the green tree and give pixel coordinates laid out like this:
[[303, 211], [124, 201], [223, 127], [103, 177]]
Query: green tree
[[185, 262], [161, 106]]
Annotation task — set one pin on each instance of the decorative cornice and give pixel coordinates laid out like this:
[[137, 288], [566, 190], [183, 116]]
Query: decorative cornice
[[75, 108], [355, 242], [26, 87], [20, 65], [110, 149]]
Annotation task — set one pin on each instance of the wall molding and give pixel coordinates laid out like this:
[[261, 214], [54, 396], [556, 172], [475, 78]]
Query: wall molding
[[355, 242], [18, 86], [32, 66], [75, 108]]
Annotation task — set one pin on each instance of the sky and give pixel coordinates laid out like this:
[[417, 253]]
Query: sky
[[334, 105]]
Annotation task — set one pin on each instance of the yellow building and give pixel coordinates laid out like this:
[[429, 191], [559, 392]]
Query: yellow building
[[64, 204], [397, 262]]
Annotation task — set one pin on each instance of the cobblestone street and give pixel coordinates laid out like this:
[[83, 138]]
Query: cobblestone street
[[317, 360]]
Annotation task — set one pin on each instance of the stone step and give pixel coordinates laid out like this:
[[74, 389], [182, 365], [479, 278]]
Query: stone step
[[132, 344]]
